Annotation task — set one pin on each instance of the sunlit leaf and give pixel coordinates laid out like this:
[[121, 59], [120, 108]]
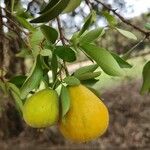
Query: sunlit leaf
[[110, 18], [91, 35], [122, 63], [86, 69], [72, 5], [127, 34], [25, 23], [89, 75], [46, 52], [103, 58], [88, 22]]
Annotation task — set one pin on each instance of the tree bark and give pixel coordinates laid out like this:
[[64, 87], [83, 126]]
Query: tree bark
[[10, 120]]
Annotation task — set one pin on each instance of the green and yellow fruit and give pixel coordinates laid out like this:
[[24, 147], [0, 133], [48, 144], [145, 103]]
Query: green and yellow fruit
[[41, 109], [87, 117]]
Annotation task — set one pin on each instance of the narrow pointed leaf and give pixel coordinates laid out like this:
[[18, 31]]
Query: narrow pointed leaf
[[146, 78], [127, 34], [50, 5], [16, 95], [88, 22], [65, 100], [72, 5], [71, 80], [89, 75], [122, 63], [89, 82], [33, 80], [85, 69], [110, 18], [25, 23], [91, 35], [103, 58], [52, 13]]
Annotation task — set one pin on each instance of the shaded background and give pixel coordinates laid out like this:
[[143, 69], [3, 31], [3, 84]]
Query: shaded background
[[129, 111]]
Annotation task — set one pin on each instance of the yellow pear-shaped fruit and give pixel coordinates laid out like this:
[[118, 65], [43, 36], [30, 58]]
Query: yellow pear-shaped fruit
[[41, 109], [87, 117]]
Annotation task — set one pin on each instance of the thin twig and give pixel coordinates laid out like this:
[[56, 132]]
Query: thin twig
[[15, 24], [147, 34], [62, 38], [89, 4]]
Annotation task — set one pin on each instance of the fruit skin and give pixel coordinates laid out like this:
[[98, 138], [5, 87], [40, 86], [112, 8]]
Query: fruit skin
[[41, 109], [87, 117]]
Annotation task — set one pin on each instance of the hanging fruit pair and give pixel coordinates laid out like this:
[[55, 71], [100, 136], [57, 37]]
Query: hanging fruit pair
[[86, 119]]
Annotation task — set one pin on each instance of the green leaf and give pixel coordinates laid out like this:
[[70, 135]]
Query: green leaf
[[24, 53], [147, 26], [54, 65], [72, 5], [23, 14], [18, 80], [25, 23], [49, 6], [65, 100], [146, 78], [46, 52], [85, 69], [51, 13], [33, 79], [122, 63], [89, 75], [89, 82], [35, 40], [50, 33], [71, 80], [92, 35], [110, 18], [88, 21], [36, 37], [103, 58], [65, 53], [16, 95], [127, 34]]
